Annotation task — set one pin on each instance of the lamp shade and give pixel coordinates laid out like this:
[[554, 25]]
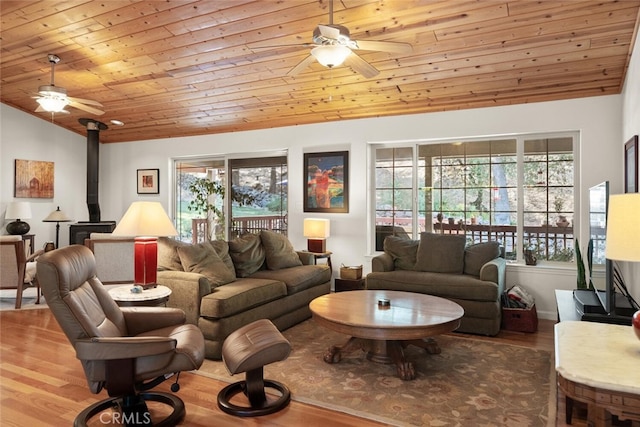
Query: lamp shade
[[623, 228], [316, 228], [57, 216], [147, 219], [331, 55], [18, 210]]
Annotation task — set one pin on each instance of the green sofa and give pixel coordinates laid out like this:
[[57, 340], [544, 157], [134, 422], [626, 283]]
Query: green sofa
[[441, 265], [222, 286]]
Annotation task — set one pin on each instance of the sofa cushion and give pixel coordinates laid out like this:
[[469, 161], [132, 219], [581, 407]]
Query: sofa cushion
[[240, 296], [168, 258], [441, 253], [475, 256], [247, 254], [222, 249], [202, 259], [298, 278], [453, 286], [278, 251], [403, 251]]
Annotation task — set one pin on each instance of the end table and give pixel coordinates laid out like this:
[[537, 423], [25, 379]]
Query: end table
[[349, 285], [152, 297]]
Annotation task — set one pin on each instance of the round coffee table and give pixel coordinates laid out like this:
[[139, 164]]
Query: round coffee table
[[384, 331]]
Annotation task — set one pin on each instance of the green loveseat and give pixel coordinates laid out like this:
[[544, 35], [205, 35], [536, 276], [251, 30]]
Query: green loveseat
[[441, 265], [222, 286]]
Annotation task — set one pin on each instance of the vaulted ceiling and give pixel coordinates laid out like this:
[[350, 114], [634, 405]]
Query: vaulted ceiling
[[191, 67]]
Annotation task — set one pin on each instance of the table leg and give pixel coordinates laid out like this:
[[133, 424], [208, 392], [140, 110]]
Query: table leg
[[334, 353], [406, 370], [429, 344]]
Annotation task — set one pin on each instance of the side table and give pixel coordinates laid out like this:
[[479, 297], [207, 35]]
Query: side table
[[152, 297], [342, 285], [322, 255]]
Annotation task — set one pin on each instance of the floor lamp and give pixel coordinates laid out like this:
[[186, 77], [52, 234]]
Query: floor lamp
[[57, 216], [146, 221]]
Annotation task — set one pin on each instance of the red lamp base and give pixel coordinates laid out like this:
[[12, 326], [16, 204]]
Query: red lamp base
[[145, 261], [316, 245]]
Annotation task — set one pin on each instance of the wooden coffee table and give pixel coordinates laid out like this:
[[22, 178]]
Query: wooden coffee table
[[383, 332]]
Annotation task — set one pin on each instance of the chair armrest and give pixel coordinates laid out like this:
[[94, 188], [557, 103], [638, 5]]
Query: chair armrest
[[382, 262], [495, 271], [35, 255], [144, 319], [187, 289], [110, 348]]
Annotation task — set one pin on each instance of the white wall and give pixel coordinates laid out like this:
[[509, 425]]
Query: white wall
[[598, 119], [631, 127], [25, 137]]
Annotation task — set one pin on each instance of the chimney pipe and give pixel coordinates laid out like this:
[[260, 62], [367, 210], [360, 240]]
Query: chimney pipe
[[93, 160]]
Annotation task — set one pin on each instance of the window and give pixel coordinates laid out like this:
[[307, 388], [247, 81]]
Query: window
[[516, 190], [254, 199]]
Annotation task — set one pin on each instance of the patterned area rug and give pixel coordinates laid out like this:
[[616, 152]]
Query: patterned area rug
[[470, 383]]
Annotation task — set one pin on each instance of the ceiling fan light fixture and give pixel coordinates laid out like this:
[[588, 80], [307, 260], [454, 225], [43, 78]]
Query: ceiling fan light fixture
[[52, 104], [331, 55]]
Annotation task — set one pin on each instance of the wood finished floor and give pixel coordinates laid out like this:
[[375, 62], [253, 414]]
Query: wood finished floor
[[42, 383]]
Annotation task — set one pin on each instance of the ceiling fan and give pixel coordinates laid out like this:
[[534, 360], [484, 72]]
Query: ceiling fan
[[333, 46], [53, 99]]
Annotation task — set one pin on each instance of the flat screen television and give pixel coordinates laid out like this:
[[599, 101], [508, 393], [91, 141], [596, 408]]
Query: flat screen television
[[607, 304]]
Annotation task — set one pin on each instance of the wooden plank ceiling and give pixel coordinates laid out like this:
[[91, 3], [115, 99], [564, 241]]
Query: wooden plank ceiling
[[187, 67]]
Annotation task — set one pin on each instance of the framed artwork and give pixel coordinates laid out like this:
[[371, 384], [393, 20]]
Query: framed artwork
[[33, 179], [326, 183], [631, 165], [148, 181]]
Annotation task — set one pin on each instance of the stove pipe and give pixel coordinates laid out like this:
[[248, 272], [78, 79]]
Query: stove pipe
[[93, 160]]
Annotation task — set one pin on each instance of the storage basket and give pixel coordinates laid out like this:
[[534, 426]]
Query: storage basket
[[351, 273], [520, 319]]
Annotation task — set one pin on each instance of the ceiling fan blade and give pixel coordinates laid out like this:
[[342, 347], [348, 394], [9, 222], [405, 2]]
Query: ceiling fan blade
[[301, 65], [85, 101], [329, 32], [393, 47], [361, 66], [86, 108]]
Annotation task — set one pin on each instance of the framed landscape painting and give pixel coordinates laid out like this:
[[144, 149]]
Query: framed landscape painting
[[33, 179], [148, 181], [326, 182]]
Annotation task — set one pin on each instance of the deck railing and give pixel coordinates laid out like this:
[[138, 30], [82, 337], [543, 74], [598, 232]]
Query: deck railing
[[253, 224], [550, 242]]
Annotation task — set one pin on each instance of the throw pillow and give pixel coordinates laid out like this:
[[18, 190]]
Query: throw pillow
[[204, 260], [222, 249], [403, 251], [441, 253], [475, 256], [279, 252], [168, 258], [247, 254]]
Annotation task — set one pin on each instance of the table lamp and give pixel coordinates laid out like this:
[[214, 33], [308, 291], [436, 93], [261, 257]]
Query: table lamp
[[316, 231], [623, 234], [57, 216], [146, 221], [18, 211]]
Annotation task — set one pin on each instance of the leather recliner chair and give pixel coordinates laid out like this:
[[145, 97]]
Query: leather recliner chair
[[126, 351]]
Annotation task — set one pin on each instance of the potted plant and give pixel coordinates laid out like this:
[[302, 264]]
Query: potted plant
[[202, 190], [582, 274]]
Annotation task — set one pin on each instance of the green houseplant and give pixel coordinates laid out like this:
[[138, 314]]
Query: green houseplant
[[202, 189], [582, 274]]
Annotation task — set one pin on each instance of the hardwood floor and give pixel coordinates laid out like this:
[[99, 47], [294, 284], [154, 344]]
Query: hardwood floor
[[42, 383]]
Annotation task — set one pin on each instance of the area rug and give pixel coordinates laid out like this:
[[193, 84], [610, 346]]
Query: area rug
[[472, 382]]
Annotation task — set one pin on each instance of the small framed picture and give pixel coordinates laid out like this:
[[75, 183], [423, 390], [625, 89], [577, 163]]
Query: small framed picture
[[326, 182], [631, 165], [148, 181]]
